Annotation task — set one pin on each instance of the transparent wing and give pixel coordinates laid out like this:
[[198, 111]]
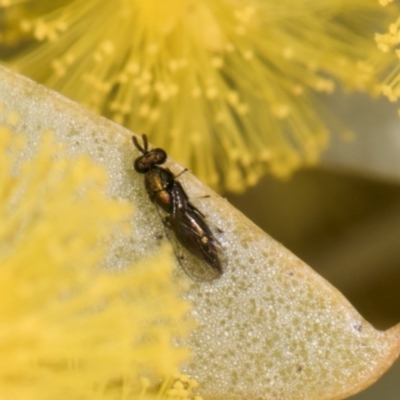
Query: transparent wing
[[190, 246]]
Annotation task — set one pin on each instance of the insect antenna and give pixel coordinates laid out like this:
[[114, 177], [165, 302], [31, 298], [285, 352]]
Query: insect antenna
[[143, 149], [145, 142]]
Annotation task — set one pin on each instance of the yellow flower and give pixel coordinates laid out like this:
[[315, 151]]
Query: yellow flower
[[227, 87], [387, 63], [269, 328], [67, 326]]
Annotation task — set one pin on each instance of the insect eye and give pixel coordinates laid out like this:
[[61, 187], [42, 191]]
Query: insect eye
[[160, 156], [140, 166]]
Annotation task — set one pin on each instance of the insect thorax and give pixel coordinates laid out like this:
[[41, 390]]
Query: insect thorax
[[158, 181]]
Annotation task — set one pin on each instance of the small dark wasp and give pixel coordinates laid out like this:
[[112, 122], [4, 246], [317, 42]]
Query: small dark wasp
[[185, 225]]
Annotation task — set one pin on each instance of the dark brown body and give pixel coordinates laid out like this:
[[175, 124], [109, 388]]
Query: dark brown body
[[192, 231], [185, 224], [158, 183]]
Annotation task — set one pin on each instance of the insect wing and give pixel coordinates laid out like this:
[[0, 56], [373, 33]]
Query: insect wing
[[179, 229]]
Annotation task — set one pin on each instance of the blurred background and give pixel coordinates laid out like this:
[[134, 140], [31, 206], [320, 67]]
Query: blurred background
[[343, 217]]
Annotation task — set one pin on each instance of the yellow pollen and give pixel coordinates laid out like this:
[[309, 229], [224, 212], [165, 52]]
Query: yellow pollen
[[133, 68], [240, 30], [248, 55], [154, 115], [232, 97], [229, 47], [288, 53], [152, 49], [298, 90], [220, 117], [211, 92], [217, 62], [144, 110], [196, 92], [196, 138], [281, 111], [242, 109], [159, 68]]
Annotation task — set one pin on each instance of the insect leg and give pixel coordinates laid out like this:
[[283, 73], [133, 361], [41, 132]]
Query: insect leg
[[166, 222], [182, 172]]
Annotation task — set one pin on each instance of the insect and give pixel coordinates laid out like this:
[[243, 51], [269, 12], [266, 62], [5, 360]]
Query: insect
[[185, 225]]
